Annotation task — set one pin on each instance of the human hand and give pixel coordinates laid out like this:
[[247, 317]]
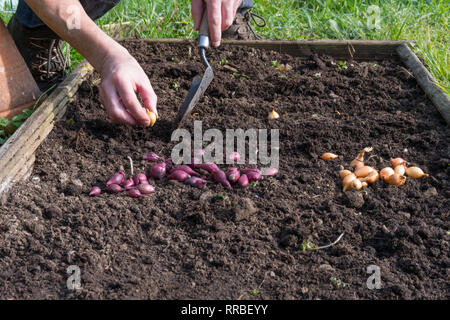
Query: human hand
[[122, 79], [221, 14]]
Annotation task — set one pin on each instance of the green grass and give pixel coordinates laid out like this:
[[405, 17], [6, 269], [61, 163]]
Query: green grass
[[424, 21]]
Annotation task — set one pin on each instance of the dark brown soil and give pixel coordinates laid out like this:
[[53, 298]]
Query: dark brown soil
[[173, 245]]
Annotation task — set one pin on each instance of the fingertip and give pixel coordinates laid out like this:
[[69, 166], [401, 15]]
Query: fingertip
[[215, 43]]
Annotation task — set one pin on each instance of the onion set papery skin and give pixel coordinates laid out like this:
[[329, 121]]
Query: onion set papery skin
[[328, 156], [211, 167], [117, 178], [353, 184], [363, 171], [355, 164], [397, 162], [372, 177], [254, 176], [385, 173], [95, 191], [140, 178], [396, 179], [270, 172], [415, 173], [234, 156], [361, 154], [344, 173], [158, 171], [233, 174], [153, 157], [152, 116], [400, 169], [247, 170], [196, 182], [243, 180], [146, 188], [273, 115], [186, 169], [179, 175], [359, 160], [348, 178], [114, 188], [135, 193], [129, 184], [220, 177], [169, 164]]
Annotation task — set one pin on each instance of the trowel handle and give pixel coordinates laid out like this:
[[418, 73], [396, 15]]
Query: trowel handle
[[204, 31]]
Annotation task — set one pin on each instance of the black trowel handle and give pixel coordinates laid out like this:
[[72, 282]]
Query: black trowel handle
[[204, 31]]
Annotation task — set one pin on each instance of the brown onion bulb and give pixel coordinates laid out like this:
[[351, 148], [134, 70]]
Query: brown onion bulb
[[363, 171], [397, 162], [386, 172], [400, 169], [396, 179], [354, 184], [360, 156], [328, 155], [152, 116], [372, 177], [273, 115], [415, 173], [344, 173], [356, 164], [348, 178]]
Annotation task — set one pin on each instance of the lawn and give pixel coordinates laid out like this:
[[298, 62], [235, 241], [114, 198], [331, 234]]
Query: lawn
[[424, 21]]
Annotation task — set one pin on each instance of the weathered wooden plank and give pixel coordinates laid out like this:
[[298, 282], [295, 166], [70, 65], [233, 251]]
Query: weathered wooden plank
[[426, 81], [29, 136], [23, 170], [339, 49]]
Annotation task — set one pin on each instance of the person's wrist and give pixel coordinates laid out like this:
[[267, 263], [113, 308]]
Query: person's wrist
[[110, 55]]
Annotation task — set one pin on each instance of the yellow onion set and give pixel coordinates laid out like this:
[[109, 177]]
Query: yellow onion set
[[362, 175]]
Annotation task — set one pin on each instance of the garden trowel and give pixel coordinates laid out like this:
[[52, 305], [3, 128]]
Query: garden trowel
[[199, 84]]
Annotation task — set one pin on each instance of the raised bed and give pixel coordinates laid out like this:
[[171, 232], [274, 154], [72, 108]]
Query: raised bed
[[17, 155], [174, 245]]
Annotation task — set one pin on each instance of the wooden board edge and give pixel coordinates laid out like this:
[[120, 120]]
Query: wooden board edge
[[30, 135], [320, 42], [23, 172], [426, 81], [338, 49]]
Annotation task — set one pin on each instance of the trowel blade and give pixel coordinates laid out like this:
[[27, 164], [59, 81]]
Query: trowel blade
[[198, 88]]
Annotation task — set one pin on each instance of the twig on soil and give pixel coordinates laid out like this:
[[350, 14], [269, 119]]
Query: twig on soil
[[331, 244], [131, 165]]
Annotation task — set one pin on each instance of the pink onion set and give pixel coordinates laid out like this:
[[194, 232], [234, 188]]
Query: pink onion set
[[139, 186]]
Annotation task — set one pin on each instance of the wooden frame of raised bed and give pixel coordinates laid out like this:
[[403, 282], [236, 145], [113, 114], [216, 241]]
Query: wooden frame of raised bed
[[17, 155]]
